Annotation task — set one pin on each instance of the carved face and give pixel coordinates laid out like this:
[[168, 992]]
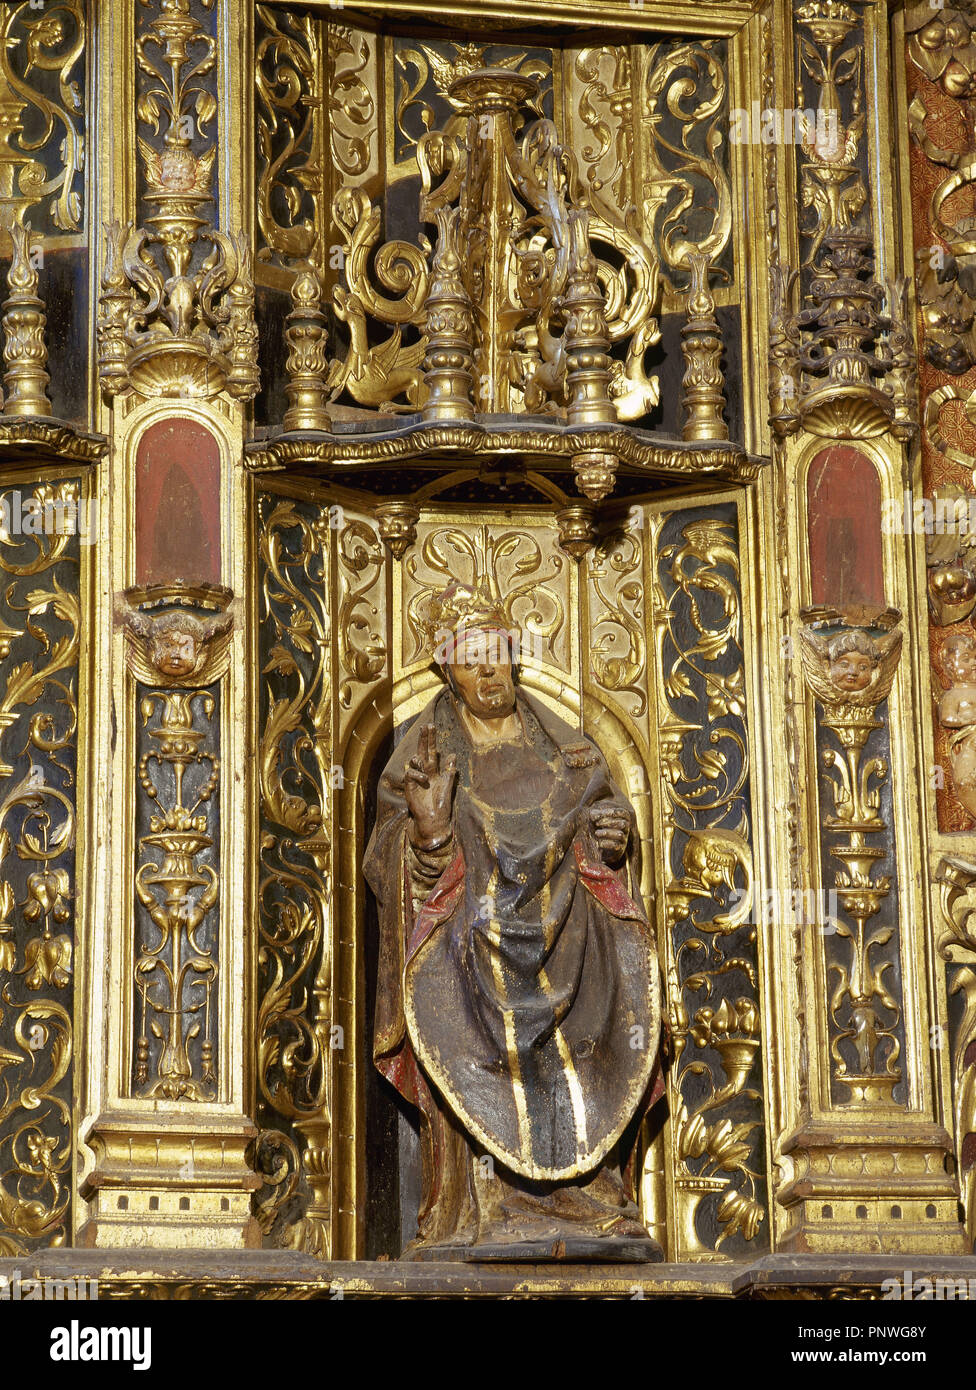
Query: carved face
[[482, 671], [948, 319], [852, 671], [959, 656], [174, 651]]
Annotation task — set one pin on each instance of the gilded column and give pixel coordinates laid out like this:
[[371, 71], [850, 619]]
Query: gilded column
[[166, 1125], [865, 1143]]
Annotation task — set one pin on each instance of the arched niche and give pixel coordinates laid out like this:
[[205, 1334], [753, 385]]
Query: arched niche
[[359, 1093]]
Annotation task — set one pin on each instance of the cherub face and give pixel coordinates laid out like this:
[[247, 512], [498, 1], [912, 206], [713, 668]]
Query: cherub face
[[959, 655], [851, 671], [174, 651]]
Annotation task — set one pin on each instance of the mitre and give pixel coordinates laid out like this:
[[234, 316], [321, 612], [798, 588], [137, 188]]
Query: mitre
[[460, 608]]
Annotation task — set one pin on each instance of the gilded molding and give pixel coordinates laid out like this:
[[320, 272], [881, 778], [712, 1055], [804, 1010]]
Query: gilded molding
[[29, 438], [539, 443]]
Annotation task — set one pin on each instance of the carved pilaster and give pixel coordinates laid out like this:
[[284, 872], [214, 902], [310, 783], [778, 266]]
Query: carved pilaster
[[186, 1178], [868, 1170], [173, 320]]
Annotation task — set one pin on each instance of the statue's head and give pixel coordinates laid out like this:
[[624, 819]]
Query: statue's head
[[473, 645], [480, 672], [853, 660], [959, 657]]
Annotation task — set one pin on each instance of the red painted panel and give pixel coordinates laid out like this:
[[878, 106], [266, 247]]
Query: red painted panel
[[844, 521], [177, 504]]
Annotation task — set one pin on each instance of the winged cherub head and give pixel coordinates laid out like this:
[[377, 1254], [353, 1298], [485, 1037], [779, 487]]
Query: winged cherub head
[[177, 646], [853, 660]]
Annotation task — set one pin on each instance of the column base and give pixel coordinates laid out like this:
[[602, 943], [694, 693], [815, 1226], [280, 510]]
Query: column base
[[886, 1192], [183, 1184]]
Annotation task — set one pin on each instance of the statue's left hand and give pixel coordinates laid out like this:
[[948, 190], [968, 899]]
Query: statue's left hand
[[612, 830]]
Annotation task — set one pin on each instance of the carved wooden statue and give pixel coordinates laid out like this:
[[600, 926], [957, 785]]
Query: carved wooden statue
[[518, 1004]]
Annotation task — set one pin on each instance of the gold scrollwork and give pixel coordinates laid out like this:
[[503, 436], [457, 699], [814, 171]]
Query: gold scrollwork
[[711, 944], [52, 41], [176, 975], [360, 565], [351, 102], [674, 181], [289, 118], [35, 1191], [39, 641], [294, 1022], [618, 657], [957, 944], [521, 577]]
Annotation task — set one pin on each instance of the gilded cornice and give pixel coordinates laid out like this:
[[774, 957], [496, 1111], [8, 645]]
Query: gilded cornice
[[657, 15], [28, 438], [539, 444]]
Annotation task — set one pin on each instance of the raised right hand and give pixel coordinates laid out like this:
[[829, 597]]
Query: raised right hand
[[429, 791]]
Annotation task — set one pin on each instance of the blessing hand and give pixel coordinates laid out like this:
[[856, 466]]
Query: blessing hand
[[429, 791]]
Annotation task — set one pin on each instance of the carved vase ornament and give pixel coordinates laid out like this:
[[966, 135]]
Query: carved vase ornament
[[849, 661], [518, 1006], [177, 645]]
